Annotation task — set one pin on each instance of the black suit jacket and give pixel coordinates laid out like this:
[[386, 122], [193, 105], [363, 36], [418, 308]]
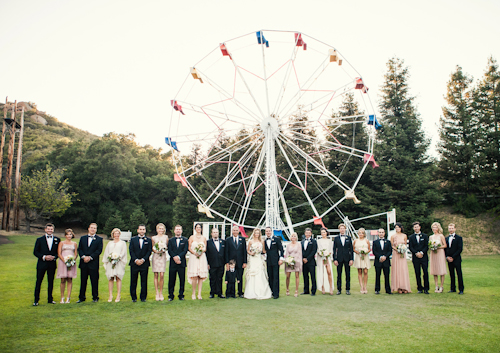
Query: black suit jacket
[[136, 253], [343, 253], [181, 251], [93, 251], [456, 248], [41, 249], [238, 253], [309, 253], [422, 246], [274, 252], [216, 258], [378, 252]]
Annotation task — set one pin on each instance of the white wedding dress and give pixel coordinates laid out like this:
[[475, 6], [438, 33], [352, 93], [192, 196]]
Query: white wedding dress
[[257, 284]]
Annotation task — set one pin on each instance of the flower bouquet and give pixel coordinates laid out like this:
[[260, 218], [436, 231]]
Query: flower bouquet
[[290, 261], [69, 260], [362, 254], [199, 249], [256, 248], [402, 249], [161, 247], [114, 258], [434, 245], [325, 254]]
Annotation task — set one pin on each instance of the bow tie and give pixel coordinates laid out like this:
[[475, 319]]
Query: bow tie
[[92, 237], [177, 237], [49, 236], [232, 270], [141, 237], [420, 234], [452, 236], [268, 238], [216, 239]]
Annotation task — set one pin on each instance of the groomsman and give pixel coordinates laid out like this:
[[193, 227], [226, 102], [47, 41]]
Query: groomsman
[[343, 256], [89, 249], [236, 249], [419, 244], [309, 249], [382, 250], [216, 256], [140, 249], [453, 253], [46, 252], [177, 250], [274, 259]]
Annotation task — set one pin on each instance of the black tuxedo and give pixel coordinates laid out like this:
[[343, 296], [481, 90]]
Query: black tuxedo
[[216, 260], [231, 278], [274, 253], [92, 267], [174, 269], [41, 249], [136, 253], [455, 251], [239, 254], [423, 263], [382, 266], [343, 254], [309, 268]]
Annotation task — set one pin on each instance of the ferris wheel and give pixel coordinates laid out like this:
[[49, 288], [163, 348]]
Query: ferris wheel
[[253, 127]]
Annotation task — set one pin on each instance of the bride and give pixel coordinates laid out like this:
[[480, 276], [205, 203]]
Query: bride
[[257, 285]]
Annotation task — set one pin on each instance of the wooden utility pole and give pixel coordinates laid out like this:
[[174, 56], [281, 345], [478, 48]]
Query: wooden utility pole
[[17, 179], [8, 174], [2, 144]]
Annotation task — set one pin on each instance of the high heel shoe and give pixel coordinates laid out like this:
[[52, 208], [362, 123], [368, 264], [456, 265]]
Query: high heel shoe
[[199, 297], [331, 291], [67, 300], [296, 294], [436, 290], [440, 290], [193, 297], [110, 299], [117, 300], [62, 300], [157, 297], [161, 297], [287, 292]]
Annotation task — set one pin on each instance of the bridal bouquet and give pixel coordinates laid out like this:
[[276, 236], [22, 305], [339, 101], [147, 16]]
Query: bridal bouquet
[[69, 260], [402, 248], [161, 247], [434, 245], [256, 248], [114, 258], [325, 254], [290, 261], [199, 249], [362, 254]]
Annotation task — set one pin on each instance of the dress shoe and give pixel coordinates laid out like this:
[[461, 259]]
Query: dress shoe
[[377, 292], [389, 293], [426, 292], [181, 298], [52, 302], [134, 300], [339, 292], [452, 291], [170, 299], [95, 300], [211, 296], [35, 304], [276, 297], [313, 294], [419, 292], [461, 292], [304, 293], [241, 296], [80, 301], [222, 296], [143, 300], [347, 292]]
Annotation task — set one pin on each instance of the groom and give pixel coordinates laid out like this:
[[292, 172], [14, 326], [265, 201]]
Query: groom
[[453, 253], [309, 249], [343, 256], [419, 244], [274, 253], [382, 251], [236, 250]]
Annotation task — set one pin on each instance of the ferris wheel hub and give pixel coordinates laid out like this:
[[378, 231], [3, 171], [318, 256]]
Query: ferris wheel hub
[[270, 127]]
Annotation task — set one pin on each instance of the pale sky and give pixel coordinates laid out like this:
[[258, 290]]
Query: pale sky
[[107, 66]]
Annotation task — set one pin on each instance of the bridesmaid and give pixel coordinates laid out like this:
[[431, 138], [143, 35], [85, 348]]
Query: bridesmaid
[[197, 265], [159, 260], [65, 273], [437, 257], [400, 278], [362, 262], [293, 249], [119, 247], [324, 277]]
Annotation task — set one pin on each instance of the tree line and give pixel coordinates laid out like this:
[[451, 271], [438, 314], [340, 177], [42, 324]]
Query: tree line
[[118, 183]]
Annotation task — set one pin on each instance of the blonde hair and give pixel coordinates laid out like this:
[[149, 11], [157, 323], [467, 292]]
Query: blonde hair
[[341, 225], [161, 225], [294, 234], [362, 230], [440, 229], [260, 233], [115, 230]]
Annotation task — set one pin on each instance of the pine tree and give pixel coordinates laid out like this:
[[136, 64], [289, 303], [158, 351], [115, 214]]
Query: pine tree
[[115, 221], [403, 180], [136, 218], [459, 135]]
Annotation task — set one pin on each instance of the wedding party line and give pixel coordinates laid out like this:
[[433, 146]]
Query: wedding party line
[[255, 261]]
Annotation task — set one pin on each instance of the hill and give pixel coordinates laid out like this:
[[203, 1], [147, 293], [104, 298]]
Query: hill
[[43, 133], [480, 234]]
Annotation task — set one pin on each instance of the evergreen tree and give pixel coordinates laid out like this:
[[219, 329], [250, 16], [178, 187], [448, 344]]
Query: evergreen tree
[[404, 179], [137, 217], [115, 221]]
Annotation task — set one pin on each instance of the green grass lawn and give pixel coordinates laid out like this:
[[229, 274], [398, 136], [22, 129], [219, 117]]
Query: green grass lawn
[[367, 323]]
